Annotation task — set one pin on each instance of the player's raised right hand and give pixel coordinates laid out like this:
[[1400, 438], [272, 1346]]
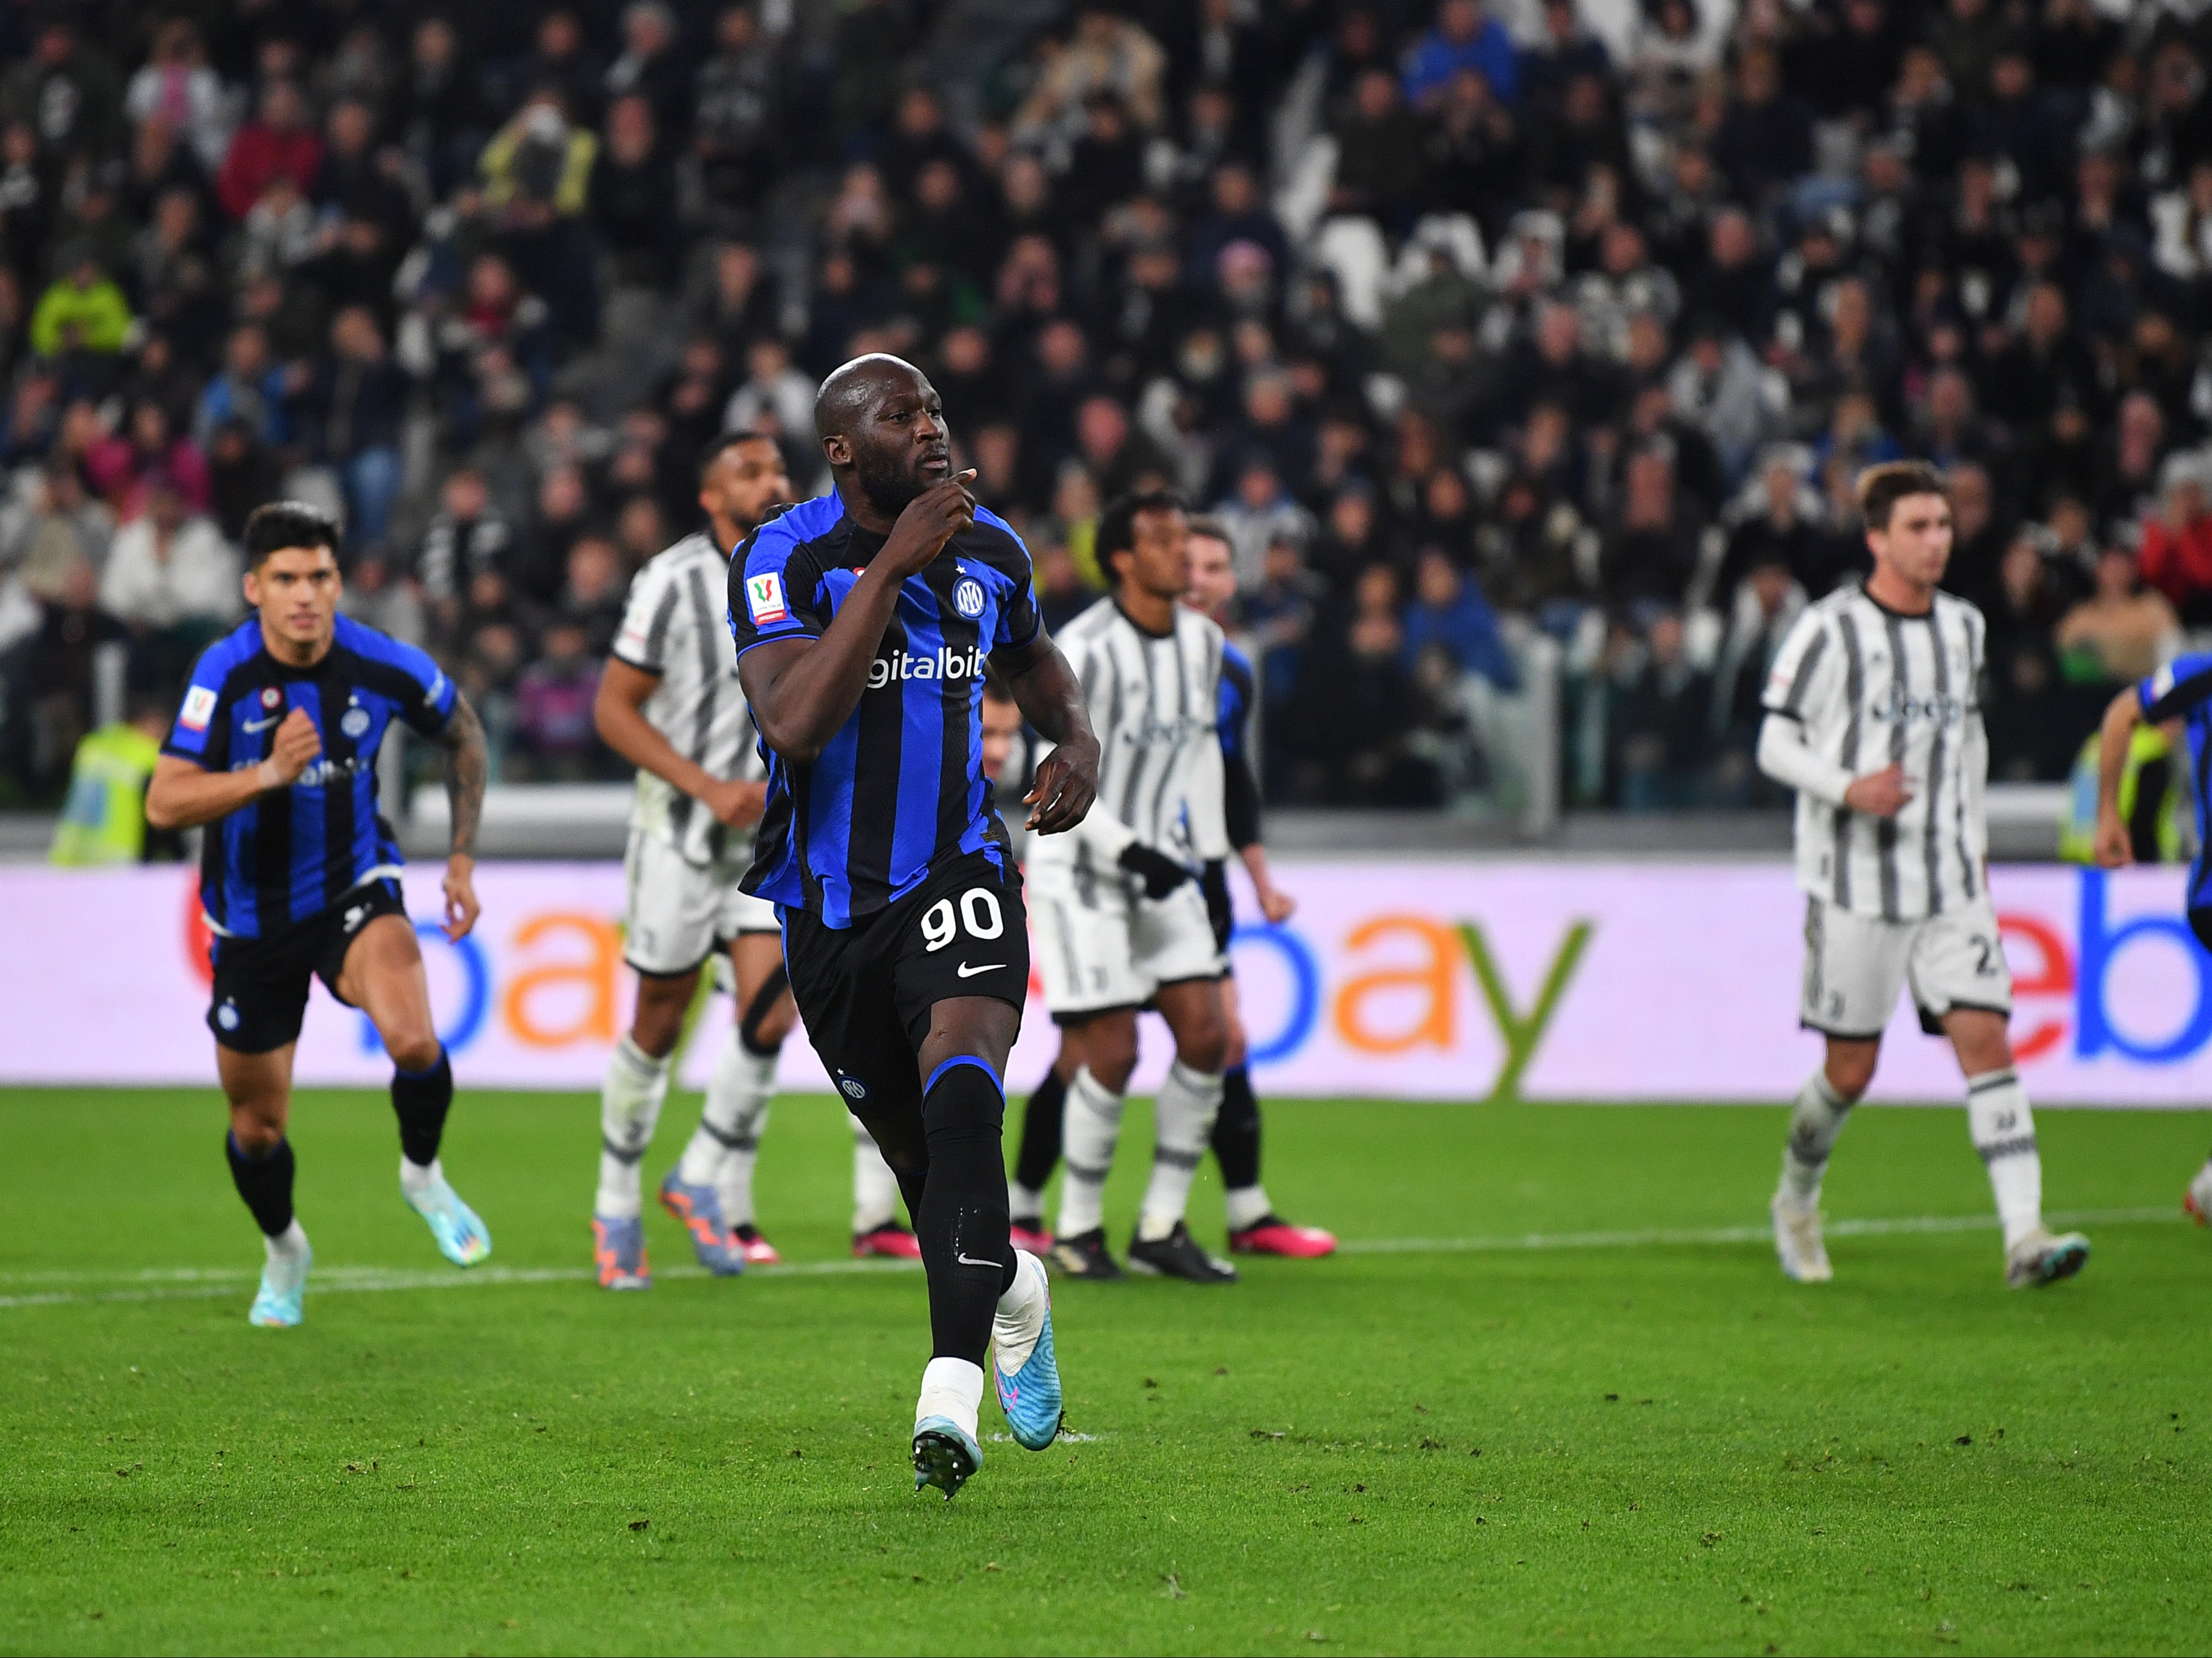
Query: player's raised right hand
[[931, 519], [294, 747], [1880, 793]]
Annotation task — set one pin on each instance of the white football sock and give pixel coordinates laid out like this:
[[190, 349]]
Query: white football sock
[[1022, 1202], [726, 1144], [1813, 1125], [1020, 1322], [289, 1257], [951, 1387], [2004, 1129], [418, 1178], [1182, 1121], [1248, 1207], [875, 1189], [1093, 1122], [629, 1108]]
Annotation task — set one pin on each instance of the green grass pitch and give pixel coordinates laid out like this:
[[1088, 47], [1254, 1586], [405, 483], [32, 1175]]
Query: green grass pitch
[[1452, 1437]]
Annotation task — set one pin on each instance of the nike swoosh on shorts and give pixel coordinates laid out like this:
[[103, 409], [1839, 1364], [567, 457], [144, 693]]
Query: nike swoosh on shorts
[[968, 972]]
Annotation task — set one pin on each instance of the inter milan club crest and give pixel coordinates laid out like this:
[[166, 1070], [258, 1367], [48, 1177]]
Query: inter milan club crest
[[967, 597]]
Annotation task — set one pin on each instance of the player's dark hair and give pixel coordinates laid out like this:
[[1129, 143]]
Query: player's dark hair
[[1881, 488], [282, 524], [1117, 524], [722, 444], [1212, 528]]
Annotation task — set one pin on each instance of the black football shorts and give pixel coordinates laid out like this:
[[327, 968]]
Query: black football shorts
[[866, 991], [261, 984]]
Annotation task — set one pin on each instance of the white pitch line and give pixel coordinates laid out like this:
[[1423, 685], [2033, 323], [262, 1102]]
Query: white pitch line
[[195, 1283]]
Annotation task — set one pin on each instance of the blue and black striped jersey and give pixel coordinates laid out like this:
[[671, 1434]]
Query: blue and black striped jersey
[[900, 788], [1239, 781], [2182, 690], [295, 852]]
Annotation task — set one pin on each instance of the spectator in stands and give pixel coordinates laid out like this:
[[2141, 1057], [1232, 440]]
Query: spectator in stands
[[1466, 37], [250, 389], [352, 408], [2121, 631], [280, 143], [553, 697], [1449, 611], [2177, 544], [171, 568], [1660, 719], [83, 310]]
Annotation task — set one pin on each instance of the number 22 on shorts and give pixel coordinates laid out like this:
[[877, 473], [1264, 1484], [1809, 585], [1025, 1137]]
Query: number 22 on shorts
[[977, 911]]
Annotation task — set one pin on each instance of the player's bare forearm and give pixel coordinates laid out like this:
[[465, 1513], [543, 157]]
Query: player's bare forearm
[[184, 796], [1050, 698], [2112, 843], [2121, 716], [468, 765], [618, 714], [802, 690]]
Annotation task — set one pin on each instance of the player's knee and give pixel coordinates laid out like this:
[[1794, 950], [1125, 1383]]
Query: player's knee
[[1851, 1070], [1203, 1043], [660, 1016], [413, 1050], [257, 1125], [1110, 1051]]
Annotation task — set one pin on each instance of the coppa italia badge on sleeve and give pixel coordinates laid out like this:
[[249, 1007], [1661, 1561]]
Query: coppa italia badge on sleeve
[[764, 598]]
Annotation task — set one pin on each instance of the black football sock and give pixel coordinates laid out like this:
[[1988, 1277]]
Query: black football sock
[[421, 1098], [266, 1183], [1040, 1148], [962, 1222], [1236, 1131]]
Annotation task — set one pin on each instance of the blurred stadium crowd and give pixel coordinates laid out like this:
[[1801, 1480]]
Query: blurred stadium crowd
[[1479, 324]]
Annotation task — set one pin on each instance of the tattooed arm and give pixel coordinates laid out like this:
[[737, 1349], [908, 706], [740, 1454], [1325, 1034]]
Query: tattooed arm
[[468, 762]]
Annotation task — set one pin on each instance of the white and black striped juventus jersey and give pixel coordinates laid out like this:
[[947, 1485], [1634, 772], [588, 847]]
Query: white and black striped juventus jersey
[[1155, 702], [1870, 686], [676, 627]]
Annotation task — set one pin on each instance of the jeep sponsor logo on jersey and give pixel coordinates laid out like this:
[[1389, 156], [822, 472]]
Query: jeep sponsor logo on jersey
[[944, 663]]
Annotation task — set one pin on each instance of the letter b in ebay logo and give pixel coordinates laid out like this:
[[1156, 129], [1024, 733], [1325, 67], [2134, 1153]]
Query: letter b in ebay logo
[[2101, 945]]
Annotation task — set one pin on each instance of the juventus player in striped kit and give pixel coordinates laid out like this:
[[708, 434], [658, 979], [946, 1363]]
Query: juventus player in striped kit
[[670, 704], [1121, 921], [1873, 716]]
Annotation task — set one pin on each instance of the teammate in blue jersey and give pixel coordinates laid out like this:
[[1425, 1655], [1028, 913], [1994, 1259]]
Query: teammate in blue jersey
[[2179, 697], [275, 750], [863, 621]]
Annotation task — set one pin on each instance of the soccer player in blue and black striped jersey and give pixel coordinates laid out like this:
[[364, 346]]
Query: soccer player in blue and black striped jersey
[[863, 621], [274, 751], [2179, 696]]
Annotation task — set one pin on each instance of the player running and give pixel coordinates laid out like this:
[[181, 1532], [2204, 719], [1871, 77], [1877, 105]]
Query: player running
[[1874, 718], [275, 748], [863, 621], [1121, 923], [1253, 1227], [670, 704], [2179, 695]]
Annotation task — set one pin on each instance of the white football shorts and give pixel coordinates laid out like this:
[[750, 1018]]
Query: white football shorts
[[1855, 965], [1117, 951], [678, 913]]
